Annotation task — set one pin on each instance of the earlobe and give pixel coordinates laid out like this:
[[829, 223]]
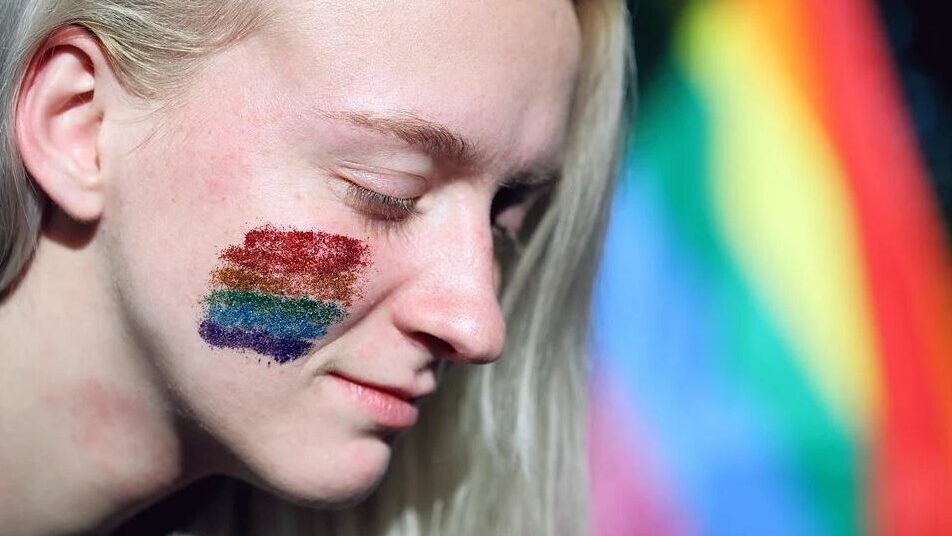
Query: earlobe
[[57, 122]]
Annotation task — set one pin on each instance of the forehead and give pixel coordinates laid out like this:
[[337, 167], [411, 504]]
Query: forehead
[[499, 72]]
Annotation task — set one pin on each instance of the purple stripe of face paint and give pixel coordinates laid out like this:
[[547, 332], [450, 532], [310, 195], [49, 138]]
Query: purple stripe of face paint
[[282, 350]]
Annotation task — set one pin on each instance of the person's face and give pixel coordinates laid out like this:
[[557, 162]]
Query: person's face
[[307, 214]]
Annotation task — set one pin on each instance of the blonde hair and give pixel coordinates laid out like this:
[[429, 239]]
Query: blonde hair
[[499, 449]]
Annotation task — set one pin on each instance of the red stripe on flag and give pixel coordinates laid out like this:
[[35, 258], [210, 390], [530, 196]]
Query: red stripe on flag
[[910, 273]]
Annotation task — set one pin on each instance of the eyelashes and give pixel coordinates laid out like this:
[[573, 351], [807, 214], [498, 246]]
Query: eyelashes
[[380, 207], [387, 213]]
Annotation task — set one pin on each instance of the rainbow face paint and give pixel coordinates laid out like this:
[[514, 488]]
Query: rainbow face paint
[[279, 292]]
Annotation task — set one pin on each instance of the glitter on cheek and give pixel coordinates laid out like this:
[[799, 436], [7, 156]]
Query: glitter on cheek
[[282, 350], [284, 325], [335, 287], [279, 292]]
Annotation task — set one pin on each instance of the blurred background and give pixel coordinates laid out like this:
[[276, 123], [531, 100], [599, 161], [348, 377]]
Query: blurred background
[[773, 334]]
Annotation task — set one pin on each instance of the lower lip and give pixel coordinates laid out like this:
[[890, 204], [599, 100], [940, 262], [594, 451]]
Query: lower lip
[[384, 408]]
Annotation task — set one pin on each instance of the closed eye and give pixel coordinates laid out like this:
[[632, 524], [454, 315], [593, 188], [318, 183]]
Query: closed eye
[[380, 206]]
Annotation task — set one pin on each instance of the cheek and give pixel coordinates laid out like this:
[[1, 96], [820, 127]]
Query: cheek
[[180, 191], [176, 200], [181, 200], [208, 178], [171, 211], [188, 165], [277, 294]]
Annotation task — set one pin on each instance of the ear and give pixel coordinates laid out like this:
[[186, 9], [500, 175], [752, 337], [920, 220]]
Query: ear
[[58, 115]]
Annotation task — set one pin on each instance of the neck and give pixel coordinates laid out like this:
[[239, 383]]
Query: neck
[[88, 436]]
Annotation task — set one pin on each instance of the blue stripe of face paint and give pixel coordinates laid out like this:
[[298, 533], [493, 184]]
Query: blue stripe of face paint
[[281, 325]]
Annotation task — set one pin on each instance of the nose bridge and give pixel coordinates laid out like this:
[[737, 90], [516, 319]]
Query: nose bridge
[[455, 289], [469, 249]]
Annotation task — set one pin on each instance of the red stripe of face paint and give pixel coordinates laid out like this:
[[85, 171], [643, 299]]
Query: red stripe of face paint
[[268, 250]]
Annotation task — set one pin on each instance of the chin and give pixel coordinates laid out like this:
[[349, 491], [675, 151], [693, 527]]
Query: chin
[[338, 478]]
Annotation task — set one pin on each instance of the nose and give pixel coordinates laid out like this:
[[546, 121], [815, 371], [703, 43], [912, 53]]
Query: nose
[[449, 300]]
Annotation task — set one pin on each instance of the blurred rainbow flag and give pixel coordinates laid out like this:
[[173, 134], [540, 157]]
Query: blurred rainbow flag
[[773, 330]]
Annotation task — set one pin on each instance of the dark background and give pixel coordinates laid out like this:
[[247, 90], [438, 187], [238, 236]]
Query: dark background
[[920, 37]]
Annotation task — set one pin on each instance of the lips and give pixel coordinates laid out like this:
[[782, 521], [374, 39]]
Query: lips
[[404, 393], [388, 406]]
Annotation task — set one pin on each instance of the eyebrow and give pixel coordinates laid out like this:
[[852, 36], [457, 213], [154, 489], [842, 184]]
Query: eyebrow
[[434, 139], [438, 141]]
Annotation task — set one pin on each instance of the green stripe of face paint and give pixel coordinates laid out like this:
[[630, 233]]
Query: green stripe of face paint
[[317, 311]]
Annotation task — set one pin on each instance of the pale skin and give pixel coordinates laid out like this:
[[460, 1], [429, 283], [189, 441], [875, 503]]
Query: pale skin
[[109, 399]]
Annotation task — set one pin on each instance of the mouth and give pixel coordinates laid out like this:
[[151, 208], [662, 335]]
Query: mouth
[[388, 406]]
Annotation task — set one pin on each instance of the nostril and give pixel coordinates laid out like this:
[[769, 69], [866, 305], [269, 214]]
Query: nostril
[[436, 346]]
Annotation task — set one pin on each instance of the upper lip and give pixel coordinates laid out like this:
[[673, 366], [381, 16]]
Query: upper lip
[[406, 393]]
